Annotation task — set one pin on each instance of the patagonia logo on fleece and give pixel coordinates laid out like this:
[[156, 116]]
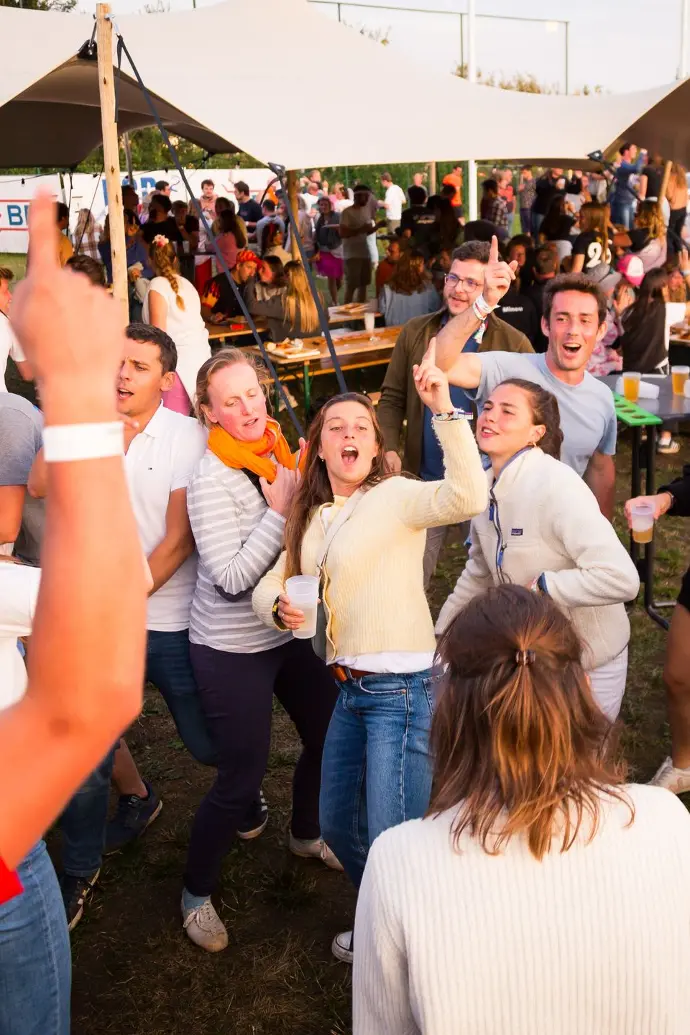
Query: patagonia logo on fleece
[[516, 531]]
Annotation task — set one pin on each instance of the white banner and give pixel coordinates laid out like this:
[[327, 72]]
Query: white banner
[[86, 190]]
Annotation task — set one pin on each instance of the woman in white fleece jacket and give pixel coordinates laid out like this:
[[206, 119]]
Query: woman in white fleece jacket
[[543, 529]]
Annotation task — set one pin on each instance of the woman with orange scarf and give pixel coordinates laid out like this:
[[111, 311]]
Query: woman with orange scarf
[[238, 500]]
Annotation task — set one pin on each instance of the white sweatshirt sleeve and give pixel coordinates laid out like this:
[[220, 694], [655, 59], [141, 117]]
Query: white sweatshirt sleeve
[[604, 572], [380, 980], [475, 578]]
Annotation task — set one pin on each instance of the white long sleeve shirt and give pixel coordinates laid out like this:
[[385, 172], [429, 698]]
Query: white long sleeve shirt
[[592, 941]]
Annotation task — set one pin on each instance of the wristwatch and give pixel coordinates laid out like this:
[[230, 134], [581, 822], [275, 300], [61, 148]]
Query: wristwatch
[[276, 617], [455, 414]]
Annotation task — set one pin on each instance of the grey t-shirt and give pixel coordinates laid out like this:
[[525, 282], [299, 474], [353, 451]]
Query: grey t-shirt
[[21, 427], [588, 417]]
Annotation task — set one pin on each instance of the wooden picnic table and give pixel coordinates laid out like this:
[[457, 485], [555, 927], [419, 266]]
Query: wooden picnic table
[[354, 351], [221, 331]]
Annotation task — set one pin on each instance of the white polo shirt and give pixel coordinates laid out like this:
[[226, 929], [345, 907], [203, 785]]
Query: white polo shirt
[[395, 199], [161, 459], [18, 595], [9, 346]]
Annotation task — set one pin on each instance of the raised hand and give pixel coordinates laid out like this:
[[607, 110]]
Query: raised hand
[[279, 493], [432, 383], [498, 275]]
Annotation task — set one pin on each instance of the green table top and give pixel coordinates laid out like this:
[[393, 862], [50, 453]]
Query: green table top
[[632, 415]]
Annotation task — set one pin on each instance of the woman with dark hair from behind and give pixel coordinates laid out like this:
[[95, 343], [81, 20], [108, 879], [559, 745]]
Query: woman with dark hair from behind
[[539, 895], [557, 227], [231, 238], [446, 230], [544, 529], [410, 291]]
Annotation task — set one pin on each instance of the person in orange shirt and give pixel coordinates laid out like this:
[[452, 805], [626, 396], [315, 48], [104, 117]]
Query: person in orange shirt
[[454, 179], [65, 249]]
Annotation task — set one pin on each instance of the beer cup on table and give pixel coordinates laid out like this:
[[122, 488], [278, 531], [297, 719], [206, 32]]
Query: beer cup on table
[[369, 321], [303, 591], [642, 520], [679, 376], [631, 385]]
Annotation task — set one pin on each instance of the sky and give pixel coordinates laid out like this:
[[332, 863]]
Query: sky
[[621, 45]]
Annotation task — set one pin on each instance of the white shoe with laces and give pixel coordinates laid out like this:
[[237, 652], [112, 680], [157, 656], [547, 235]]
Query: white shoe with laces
[[675, 780], [204, 927], [317, 849], [342, 947]]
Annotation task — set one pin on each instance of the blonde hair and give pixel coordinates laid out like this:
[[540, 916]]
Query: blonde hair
[[229, 357], [677, 175], [164, 263], [299, 297], [649, 217]]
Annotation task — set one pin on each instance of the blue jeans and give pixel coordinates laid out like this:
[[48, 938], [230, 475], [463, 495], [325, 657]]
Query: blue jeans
[[622, 213], [526, 220], [537, 219], [35, 962], [168, 667], [376, 770]]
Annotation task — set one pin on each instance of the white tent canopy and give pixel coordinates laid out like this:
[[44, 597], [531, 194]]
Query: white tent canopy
[[49, 106]]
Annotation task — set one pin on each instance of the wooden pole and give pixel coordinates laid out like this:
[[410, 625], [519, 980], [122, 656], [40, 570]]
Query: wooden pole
[[432, 178], [292, 202], [111, 155]]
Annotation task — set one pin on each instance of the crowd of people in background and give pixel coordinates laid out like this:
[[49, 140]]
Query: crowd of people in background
[[457, 772]]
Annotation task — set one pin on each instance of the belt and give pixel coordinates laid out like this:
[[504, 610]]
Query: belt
[[343, 674]]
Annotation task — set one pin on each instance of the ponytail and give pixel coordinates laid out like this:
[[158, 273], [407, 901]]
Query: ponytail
[[165, 264]]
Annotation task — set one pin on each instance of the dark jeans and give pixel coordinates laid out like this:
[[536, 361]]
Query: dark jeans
[[677, 220], [237, 696], [83, 822], [537, 219], [526, 220], [168, 666]]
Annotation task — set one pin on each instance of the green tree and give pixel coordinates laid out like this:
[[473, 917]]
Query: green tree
[[41, 5]]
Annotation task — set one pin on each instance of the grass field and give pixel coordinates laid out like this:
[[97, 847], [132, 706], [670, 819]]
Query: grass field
[[134, 971]]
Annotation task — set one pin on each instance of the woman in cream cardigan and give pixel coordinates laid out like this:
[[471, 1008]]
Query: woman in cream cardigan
[[380, 639], [543, 529]]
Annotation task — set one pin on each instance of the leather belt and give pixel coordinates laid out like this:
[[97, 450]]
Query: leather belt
[[343, 674]]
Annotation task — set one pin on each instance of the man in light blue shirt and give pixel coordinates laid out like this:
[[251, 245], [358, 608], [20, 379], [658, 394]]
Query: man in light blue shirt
[[574, 320], [631, 164]]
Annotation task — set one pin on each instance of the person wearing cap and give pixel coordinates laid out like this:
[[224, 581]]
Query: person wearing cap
[[218, 300]]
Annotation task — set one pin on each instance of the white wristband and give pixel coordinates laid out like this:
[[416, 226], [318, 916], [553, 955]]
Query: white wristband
[[481, 307], [65, 442]]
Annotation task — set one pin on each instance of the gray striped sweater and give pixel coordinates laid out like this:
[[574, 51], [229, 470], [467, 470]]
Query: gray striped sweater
[[238, 539]]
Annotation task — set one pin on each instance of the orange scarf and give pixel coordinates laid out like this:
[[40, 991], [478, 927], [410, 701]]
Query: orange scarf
[[254, 456]]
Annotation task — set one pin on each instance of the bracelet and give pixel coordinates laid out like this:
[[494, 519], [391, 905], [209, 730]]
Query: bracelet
[[481, 308], [686, 273], [455, 414], [65, 442], [277, 620]]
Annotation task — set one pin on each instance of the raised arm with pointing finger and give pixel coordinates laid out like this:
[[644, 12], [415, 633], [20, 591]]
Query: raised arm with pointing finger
[[86, 656], [465, 370]]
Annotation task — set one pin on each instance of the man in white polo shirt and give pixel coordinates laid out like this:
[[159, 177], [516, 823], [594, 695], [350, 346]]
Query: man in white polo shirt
[[9, 346]]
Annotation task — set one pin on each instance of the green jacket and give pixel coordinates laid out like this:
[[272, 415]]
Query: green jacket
[[399, 400]]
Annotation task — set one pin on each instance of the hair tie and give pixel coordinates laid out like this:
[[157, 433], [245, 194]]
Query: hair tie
[[160, 241], [524, 657]]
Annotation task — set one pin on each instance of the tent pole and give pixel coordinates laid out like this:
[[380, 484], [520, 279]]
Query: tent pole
[[432, 177], [128, 156], [471, 78], [111, 155], [292, 202]]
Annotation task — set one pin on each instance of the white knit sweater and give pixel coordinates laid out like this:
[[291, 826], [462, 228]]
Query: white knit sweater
[[550, 524], [593, 941]]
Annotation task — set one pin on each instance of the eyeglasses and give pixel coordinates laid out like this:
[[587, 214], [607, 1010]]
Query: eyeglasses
[[456, 281]]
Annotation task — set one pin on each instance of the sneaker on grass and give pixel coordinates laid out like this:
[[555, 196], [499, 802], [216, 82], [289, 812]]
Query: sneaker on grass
[[204, 927], [317, 849], [75, 893], [673, 779], [132, 818], [254, 823], [342, 947]]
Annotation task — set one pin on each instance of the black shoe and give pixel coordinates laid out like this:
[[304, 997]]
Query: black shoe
[[132, 817], [75, 892], [254, 823]]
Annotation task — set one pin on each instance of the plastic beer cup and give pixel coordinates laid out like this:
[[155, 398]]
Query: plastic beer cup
[[631, 386], [679, 376], [642, 519], [303, 591]]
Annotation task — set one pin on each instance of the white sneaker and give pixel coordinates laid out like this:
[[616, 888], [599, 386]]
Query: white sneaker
[[675, 780], [342, 947], [317, 849], [205, 927]]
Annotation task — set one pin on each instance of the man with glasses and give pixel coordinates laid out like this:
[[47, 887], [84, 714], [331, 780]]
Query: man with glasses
[[471, 274]]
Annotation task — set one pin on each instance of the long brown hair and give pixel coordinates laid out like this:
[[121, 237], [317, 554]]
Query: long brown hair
[[649, 217], [315, 487], [544, 407], [519, 743], [595, 218], [408, 278], [164, 264], [299, 300]]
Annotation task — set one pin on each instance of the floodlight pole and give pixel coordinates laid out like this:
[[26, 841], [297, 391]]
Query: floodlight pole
[[471, 78], [111, 156]]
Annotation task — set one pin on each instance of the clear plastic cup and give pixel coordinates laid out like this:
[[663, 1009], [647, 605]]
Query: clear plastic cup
[[303, 591], [631, 385], [642, 519], [679, 376], [369, 321]]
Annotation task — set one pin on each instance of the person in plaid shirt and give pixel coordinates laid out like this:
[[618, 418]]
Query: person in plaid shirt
[[87, 235], [494, 209]]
